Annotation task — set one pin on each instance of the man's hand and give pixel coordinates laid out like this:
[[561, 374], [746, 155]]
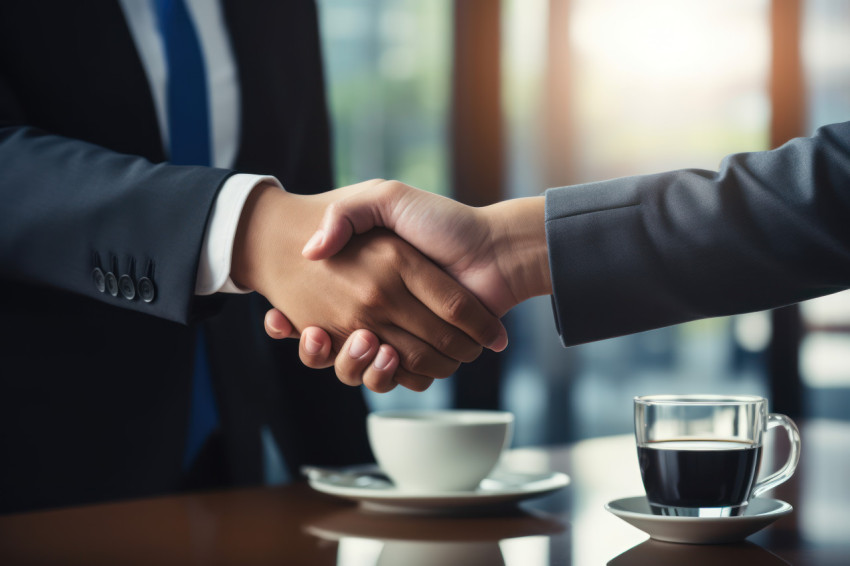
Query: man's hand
[[378, 283], [483, 248], [498, 252]]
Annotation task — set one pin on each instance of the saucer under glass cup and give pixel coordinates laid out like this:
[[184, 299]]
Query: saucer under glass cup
[[700, 455]]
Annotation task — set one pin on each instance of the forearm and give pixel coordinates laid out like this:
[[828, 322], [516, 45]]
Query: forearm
[[519, 242], [643, 252]]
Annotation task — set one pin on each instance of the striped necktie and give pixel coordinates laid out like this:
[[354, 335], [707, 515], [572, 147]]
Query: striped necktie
[[189, 140]]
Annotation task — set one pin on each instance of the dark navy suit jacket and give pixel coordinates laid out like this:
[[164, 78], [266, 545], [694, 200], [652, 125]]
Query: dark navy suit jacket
[[94, 388], [768, 229]]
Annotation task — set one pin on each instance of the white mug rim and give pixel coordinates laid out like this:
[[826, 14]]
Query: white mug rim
[[442, 417]]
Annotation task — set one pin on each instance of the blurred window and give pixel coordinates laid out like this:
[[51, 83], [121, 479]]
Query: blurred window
[[652, 86], [825, 347], [632, 88], [388, 69], [388, 72]]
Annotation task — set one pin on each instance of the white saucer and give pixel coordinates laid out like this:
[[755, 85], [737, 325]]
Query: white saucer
[[759, 513], [374, 491]]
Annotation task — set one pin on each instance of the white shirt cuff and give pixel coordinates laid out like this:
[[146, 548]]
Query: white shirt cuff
[[217, 249]]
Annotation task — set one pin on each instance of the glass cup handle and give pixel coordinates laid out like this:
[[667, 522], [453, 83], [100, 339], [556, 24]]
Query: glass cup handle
[[774, 420]]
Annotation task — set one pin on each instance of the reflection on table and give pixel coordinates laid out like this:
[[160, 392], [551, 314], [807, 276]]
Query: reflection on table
[[297, 525], [668, 554], [381, 539]]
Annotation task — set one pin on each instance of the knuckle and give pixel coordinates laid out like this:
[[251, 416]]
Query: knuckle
[[334, 209], [416, 361], [372, 296], [389, 193], [446, 342], [457, 306], [390, 248], [431, 364], [390, 187], [457, 345]]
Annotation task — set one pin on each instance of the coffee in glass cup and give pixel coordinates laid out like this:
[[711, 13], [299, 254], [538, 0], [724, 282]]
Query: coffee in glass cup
[[700, 455]]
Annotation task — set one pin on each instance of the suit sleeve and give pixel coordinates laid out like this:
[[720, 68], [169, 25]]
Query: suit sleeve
[[69, 207], [768, 229]]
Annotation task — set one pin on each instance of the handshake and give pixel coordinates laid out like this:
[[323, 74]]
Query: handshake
[[389, 284]]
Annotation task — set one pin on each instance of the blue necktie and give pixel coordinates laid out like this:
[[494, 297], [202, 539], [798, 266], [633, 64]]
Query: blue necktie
[[186, 89], [189, 135]]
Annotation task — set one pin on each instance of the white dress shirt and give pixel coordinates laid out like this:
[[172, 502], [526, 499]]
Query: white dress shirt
[[223, 90]]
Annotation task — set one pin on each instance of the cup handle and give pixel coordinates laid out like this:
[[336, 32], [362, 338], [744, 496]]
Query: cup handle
[[774, 420]]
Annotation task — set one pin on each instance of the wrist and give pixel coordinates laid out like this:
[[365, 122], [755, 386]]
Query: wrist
[[519, 244], [214, 264], [253, 234]]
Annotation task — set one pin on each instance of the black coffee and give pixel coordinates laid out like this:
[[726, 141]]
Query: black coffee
[[699, 473]]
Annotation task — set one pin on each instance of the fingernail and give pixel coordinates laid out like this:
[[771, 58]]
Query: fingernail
[[359, 347], [312, 345], [383, 359], [314, 242]]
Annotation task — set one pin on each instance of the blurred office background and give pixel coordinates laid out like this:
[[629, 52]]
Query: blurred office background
[[484, 100]]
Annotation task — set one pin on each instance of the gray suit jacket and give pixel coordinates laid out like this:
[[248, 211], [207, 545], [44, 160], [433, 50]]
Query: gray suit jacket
[[769, 229]]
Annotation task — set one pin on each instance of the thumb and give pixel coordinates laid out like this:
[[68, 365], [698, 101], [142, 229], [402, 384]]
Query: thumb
[[278, 326], [343, 218], [332, 235]]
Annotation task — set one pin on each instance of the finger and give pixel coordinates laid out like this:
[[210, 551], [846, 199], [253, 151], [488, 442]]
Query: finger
[[439, 336], [379, 375], [454, 304], [418, 357], [358, 351], [278, 326], [413, 382], [367, 207], [386, 378], [314, 348]]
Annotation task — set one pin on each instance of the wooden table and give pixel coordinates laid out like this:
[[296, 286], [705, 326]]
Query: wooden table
[[293, 525]]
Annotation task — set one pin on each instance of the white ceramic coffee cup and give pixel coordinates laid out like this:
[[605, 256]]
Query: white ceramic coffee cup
[[438, 451]]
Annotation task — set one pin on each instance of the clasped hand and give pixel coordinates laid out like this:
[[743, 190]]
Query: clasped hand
[[419, 322], [378, 285]]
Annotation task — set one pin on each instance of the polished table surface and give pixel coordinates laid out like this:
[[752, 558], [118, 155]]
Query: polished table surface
[[295, 525]]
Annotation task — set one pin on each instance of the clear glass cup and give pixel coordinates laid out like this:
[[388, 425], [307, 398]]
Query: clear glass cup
[[700, 455]]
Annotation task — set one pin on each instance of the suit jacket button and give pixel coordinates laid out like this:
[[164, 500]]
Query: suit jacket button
[[147, 291], [99, 279], [125, 284], [111, 284]]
